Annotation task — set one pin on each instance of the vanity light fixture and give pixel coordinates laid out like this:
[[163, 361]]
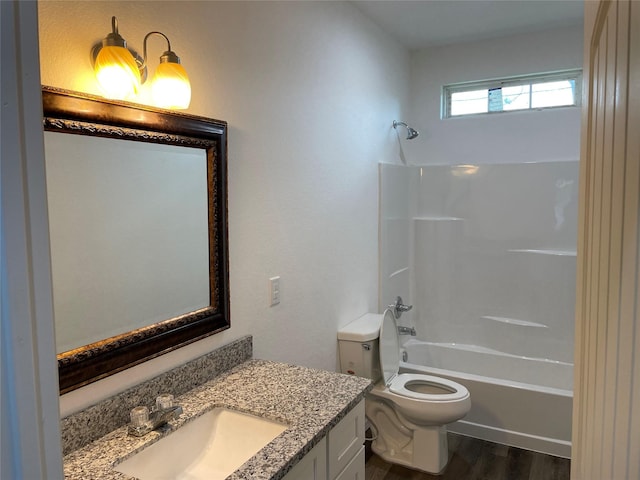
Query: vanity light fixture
[[120, 71], [117, 70]]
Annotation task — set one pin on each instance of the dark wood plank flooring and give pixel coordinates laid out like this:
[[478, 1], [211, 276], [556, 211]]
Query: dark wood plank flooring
[[473, 459]]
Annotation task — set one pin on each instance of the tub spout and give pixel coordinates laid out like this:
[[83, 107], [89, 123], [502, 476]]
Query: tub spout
[[407, 331]]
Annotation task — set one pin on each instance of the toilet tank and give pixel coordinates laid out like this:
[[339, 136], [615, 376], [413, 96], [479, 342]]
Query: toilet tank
[[358, 347]]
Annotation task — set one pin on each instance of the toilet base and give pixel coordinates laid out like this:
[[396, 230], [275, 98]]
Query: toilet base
[[417, 447]]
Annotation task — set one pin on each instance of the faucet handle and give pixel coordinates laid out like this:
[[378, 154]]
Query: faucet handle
[[399, 308], [139, 416], [164, 401]]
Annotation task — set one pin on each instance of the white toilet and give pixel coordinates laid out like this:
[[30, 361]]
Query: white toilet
[[408, 412]]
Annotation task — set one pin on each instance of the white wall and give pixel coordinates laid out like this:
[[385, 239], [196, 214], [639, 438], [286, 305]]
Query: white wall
[[549, 135], [309, 90]]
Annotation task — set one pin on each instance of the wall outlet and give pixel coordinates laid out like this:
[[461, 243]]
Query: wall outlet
[[274, 291]]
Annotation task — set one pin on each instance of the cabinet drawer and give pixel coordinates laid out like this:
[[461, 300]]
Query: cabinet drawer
[[345, 440], [313, 465], [355, 469]]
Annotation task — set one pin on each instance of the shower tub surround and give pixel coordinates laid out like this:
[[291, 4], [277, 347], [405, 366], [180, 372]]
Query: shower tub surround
[[310, 402], [522, 402], [486, 253]]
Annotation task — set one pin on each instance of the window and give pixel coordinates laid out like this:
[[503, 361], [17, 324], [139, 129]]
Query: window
[[532, 92]]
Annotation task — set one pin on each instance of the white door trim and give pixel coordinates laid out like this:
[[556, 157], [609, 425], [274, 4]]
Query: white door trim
[[30, 425], [606, 416]]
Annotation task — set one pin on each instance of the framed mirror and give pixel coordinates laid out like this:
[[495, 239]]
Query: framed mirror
[[137, 201]]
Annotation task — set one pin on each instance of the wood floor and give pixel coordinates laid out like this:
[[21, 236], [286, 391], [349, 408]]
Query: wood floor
[[473, 459]]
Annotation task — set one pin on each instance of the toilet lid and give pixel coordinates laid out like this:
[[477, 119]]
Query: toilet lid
[[389, 347]]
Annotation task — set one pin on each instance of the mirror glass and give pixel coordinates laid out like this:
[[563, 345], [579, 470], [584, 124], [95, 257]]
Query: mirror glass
[[128, 232], [137, 200]]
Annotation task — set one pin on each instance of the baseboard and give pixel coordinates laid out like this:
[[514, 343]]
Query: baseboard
[[550, 446]]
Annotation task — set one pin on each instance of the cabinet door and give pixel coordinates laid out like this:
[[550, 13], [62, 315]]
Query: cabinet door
[[313, 465], [345, 440], [355, 469]]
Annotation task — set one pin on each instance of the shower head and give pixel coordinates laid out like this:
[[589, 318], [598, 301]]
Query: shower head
[[411, 133]]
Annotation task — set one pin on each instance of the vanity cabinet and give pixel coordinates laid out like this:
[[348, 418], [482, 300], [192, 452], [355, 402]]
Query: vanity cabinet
[[313, 465], [338, 456], [355, 468], [345, 447], [326, 407]]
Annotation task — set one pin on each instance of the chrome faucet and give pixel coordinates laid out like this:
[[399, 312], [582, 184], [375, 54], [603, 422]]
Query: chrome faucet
[[399, 308], [406, 331], [143, 421]]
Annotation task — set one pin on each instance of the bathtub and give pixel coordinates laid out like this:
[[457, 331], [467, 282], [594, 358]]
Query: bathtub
[[532, 412]]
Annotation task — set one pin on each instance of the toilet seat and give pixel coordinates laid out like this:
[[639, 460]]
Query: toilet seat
[[398, 383]]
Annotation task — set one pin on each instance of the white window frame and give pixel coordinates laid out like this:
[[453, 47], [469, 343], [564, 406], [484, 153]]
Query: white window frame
[[449, 90]]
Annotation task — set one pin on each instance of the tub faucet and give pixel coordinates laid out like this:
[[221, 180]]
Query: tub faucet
[[407, 331], [143, 421], [399, 308]]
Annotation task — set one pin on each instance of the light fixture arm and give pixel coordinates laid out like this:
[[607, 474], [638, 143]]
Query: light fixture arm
[[114, 39], [168, 56]]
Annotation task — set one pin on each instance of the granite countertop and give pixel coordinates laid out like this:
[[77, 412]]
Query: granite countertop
[[309, 401]]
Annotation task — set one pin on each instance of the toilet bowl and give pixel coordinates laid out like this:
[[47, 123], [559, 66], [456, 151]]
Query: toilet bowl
[[408, 412]]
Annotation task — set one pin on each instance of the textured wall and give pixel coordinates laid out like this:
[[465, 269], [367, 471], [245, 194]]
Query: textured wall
[[516, 137], [309, 90]]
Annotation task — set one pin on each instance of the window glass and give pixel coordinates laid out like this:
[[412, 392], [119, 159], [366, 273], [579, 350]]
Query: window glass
[[553, 94], [515, 98], [557, 89], [465, 103]]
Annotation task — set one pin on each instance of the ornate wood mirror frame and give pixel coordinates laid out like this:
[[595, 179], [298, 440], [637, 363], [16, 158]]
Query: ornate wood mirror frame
[[78, 113]]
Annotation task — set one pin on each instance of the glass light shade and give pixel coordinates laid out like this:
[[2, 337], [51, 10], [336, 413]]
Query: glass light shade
[[171, 87], [117, 72]]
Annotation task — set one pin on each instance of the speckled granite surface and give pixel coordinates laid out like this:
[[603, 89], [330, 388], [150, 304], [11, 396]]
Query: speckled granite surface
[[92, 423], [309, 401]]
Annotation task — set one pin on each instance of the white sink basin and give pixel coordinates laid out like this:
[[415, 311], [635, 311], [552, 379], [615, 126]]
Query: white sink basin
[[210, 447]]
